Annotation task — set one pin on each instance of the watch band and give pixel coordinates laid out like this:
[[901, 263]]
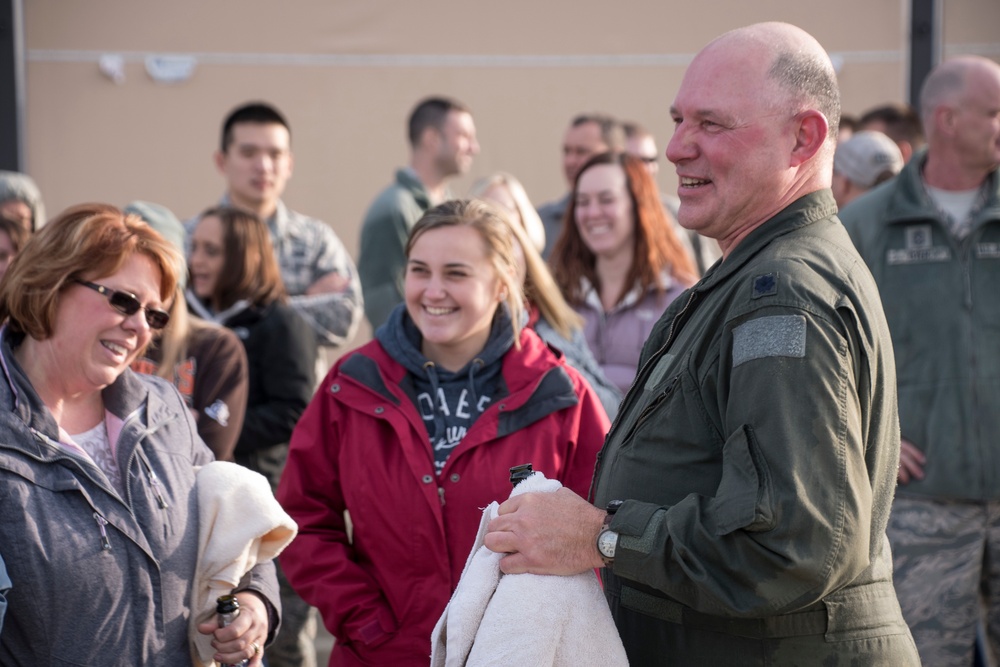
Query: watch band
[[607, 539]]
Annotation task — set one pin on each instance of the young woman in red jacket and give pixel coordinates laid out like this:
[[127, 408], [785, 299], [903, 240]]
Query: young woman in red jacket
[[414, 433]]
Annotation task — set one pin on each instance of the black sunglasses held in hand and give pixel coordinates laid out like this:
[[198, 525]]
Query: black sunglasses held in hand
[[127, 304]]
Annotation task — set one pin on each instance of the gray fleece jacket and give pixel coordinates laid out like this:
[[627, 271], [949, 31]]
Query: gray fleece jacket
[[100, 577]]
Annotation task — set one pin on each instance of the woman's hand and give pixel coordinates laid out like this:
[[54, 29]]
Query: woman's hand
[[244, 638]]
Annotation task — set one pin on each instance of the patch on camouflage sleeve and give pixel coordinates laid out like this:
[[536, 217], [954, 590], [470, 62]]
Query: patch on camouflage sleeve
[[773, 336]]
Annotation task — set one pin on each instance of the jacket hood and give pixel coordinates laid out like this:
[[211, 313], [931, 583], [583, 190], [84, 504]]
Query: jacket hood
[[478, 380], [401, 339]]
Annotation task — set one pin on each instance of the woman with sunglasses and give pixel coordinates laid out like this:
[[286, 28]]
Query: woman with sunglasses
[[97, 463]]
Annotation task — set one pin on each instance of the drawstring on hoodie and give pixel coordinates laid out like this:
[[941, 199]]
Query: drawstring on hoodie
[[430, 368], [452, 396], [476, 365]]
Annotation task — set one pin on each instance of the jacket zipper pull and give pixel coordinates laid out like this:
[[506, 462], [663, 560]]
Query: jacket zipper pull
[[101, 523], [441, 495], [154, 482]]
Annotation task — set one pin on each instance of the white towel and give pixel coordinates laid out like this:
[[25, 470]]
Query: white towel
[[498, 620], [240, 524]]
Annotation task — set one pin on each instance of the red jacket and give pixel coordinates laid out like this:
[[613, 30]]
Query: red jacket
[[362, 447]]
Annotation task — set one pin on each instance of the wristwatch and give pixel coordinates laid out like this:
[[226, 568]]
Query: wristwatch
[[607, 539]]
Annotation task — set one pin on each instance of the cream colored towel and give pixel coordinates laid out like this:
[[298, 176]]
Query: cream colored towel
[[496, 620], [240, 524]]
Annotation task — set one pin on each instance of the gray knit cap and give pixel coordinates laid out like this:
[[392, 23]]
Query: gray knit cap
[[15, 185], [166, 225]]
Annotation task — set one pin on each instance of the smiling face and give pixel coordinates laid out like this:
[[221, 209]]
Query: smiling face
[[452, 292], [457, 143], [207, 257], [92, 343], [257, 165], [730, 145], [604, 213]]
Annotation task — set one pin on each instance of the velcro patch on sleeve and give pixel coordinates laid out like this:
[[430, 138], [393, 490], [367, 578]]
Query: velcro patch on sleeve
[[772, 336]]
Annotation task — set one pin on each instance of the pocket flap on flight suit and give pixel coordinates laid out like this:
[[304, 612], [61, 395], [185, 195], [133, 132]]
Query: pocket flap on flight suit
[[743, 499]]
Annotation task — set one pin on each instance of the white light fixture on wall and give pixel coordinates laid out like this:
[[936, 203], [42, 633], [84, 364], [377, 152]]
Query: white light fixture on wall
[[112, 65], [170, 69]]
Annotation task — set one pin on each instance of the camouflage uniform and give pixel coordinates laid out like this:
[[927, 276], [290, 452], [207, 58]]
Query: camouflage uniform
[[756, 454], [945, 534]]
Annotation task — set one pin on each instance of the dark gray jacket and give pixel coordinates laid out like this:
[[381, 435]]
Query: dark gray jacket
[[100, 577], [940, 297]]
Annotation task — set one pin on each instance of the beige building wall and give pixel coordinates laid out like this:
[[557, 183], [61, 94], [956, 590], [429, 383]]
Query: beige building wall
[[347, 74]]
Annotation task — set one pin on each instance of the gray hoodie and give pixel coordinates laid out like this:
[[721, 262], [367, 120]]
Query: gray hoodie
[[449, 402]]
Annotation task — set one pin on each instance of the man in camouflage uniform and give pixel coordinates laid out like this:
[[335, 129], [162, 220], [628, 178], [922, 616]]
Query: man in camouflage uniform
[[932, 240], [255, 158], [743, 492]]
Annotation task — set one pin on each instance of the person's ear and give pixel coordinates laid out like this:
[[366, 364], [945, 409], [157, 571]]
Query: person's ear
[[431, 139], [811, 131], [220, 161], [945, 120], [906, 149]]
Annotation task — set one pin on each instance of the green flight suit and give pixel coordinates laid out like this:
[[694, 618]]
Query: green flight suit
[[756, 453]]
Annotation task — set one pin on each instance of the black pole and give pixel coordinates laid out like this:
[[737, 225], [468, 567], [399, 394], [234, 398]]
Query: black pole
[[11, 85], [925, 31]]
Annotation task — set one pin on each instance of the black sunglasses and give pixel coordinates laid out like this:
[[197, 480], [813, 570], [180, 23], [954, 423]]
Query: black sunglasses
[[127, 304]]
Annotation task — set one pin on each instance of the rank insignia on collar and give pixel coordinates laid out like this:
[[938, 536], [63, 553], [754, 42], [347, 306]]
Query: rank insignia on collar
[[765, 285]]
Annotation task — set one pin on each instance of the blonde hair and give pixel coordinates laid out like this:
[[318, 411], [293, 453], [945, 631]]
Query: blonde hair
[[531, 223], [497, 235], [173, 342], [540, 287]]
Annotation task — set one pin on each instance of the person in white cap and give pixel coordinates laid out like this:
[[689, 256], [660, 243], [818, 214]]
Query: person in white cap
[[862, 162]]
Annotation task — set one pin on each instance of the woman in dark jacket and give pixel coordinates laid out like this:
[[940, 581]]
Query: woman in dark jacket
[[236, 282]]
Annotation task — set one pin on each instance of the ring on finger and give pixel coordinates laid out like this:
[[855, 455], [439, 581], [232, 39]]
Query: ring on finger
[[256, 648]]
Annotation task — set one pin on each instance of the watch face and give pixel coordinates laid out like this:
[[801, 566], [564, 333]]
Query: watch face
[[607, 543]]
